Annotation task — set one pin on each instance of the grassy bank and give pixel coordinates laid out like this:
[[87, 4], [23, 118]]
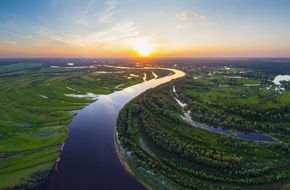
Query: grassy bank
[[36, 106], [160, 146]]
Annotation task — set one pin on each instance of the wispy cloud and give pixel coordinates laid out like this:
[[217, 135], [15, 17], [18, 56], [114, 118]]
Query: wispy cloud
[[79, 14], [100, 26], [188, 15], [93, 25], [87, 14], [119, 34], [79, 19], [12, 42], [107, 14], [187, 18], [8, 42]]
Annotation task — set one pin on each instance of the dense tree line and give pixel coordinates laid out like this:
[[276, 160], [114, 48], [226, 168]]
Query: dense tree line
[[232, 169], [232, 115], [195, 160]]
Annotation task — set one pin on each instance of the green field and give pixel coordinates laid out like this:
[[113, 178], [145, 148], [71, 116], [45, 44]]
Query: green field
[[35, 113], [166, 152]]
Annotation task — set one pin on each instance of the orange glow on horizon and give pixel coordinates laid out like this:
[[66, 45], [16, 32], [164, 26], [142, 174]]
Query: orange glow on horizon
[[139, 50]]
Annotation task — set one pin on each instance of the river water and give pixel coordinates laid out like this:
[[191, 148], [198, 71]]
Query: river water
[[89, 159], [220, 130], [277, 82]]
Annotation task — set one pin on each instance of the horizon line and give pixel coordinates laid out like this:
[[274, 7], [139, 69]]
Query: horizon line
[[154, 57]]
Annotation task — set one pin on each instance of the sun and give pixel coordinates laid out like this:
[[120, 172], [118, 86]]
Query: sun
[[143, 48]]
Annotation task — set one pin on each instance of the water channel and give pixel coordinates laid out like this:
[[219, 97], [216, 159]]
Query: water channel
[[220, 130], [89, 159]]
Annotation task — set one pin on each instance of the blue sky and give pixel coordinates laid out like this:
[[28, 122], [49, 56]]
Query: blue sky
[[61, 28]]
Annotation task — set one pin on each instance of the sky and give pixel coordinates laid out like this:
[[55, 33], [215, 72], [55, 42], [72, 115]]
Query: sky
[[111, 28]]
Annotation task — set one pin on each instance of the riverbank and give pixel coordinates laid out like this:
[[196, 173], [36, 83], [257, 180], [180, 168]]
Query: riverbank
[[196, 158], [90, 124], [42, 90], [124, 160], [141, 174]]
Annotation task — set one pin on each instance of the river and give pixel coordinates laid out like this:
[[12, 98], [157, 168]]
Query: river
[[89, 159], [220, 130]]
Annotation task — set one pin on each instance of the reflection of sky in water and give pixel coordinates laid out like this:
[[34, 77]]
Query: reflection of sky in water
[[117, 99], [110, 105], [280, 78], [92, 133], [180, 103], [220, 130], [87, 95]]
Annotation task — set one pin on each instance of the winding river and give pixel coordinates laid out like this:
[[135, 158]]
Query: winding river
[[220, 130], [89, 159]]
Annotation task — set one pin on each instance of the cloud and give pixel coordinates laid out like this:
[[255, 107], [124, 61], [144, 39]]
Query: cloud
[[87, 14], [107, 14], [96, 25], [187, 15], [85, 27], [79, 14], [8, 42], [80, 19], [118, 34], [12, 42]]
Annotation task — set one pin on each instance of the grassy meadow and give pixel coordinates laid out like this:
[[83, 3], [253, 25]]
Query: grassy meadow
[[35, 113]]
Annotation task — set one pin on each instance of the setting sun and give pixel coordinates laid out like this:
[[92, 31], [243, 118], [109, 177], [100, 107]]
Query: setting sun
[[143, 48]]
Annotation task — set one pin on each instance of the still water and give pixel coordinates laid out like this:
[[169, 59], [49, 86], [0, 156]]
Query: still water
[[89, 159], [235, 134], [220, 130]]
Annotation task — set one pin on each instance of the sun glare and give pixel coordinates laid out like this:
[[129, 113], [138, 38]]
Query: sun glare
[[144, 49]]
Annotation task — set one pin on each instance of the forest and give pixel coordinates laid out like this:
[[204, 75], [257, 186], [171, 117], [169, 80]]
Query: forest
[[165, 151]]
